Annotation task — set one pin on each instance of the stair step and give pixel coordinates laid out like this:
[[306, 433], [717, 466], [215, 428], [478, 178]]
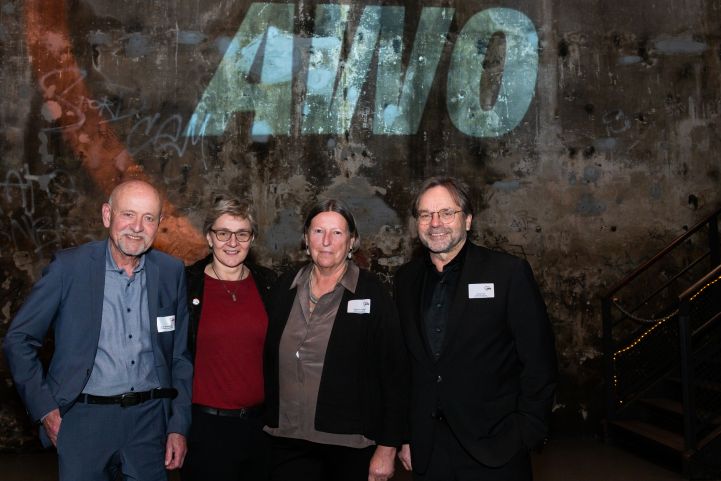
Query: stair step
[[676, 407], [664, 404], [702, 383], [654, 433], [709, 437]]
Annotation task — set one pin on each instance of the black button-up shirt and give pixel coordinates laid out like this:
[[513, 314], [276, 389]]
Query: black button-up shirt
[[438, 290]]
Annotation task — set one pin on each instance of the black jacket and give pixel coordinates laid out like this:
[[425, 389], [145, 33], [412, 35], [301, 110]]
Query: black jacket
[[496, 376], [364, 384], [195, 276]]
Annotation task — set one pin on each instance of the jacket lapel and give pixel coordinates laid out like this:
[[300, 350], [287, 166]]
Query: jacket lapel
[[469, 266], [417, 342], [152, 278], [97, 287]]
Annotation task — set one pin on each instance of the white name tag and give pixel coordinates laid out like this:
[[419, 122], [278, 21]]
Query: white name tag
[[481, 291], [359, 306], [166, 323]]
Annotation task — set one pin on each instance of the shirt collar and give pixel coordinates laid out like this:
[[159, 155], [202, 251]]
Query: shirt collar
[[349, 281], [452, 265], [111, 265]]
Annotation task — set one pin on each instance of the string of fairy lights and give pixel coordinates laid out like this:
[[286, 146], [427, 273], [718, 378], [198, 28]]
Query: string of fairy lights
[[658, 323]]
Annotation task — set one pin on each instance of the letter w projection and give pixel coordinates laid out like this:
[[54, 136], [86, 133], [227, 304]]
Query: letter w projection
[[330, 101]]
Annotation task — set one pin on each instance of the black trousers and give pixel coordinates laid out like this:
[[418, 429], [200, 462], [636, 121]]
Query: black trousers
[[451, 462], [300, 460], [222, 448]]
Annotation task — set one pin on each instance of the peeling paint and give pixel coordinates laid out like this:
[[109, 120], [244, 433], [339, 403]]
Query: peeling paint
[[190, 37], [587, 205], [507, 186], [222, 43], [591, 174], [629, 60], [605, 144], [395, 261], [137, 45], [680, 45], [98, 37]]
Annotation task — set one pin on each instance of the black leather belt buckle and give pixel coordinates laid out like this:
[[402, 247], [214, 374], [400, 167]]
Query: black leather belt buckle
[[129, 399]]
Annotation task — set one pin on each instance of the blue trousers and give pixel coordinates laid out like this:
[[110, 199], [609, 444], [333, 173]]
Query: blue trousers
[[98, 442]]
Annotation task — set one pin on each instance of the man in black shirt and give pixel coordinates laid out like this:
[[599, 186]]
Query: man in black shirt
[[482, 351]]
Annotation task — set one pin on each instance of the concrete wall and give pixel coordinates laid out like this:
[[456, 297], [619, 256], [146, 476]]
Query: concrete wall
[[588, 131]]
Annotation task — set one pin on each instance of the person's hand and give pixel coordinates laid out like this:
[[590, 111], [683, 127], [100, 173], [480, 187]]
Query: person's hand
[[51, 423], [175, 449], [382, 464], [405, 456]]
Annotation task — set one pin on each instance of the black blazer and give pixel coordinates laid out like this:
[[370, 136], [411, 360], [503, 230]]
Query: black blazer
[[364, 384], [195, 275], [496, 376]]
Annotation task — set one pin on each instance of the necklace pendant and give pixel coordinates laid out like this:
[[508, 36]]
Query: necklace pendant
[[232, 294]]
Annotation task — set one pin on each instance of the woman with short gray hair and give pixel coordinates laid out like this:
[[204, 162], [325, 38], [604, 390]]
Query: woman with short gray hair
[[227, 299]]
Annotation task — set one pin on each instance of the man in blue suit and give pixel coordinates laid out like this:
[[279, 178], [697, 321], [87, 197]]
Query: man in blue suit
[[116, 395]]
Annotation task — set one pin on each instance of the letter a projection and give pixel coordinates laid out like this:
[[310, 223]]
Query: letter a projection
[[230, 91]]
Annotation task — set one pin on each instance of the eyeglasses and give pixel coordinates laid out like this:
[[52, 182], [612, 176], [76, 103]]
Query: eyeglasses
[[445, 215], [224, 235]]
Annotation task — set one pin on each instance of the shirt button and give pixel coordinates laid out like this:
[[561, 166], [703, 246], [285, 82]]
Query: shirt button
[[130, 336], [439, 305], [128, 309], [132, 362], [438, 329], [439, 379]]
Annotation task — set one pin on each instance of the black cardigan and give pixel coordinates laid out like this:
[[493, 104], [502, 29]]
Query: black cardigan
[[364, 384], [195, 278]]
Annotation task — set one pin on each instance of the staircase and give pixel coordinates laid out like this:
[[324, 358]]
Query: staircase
[[662, 351]]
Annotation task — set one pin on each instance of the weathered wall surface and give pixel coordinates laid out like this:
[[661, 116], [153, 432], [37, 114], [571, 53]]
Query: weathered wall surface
[[588, 131]]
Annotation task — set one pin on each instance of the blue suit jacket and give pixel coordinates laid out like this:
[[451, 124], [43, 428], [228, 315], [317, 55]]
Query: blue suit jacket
[[69, 300]]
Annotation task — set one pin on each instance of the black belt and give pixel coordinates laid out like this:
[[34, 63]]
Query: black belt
[[129, 398], [242, 413]]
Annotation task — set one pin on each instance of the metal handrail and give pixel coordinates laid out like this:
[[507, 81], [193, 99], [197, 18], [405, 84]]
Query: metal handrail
[[646, 265], [608, 324], [699, 284], [666, 284], [690, 419]]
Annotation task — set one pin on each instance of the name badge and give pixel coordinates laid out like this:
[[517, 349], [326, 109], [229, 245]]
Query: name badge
[[166, 323], [359, 306], [481, 291]]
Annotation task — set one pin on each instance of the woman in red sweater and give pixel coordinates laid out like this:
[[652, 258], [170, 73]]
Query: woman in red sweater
[[228, 323]]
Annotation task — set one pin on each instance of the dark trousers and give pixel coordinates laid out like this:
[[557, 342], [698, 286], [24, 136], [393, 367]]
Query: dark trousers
[[451, 462], [300, 460], [223, 448], [105, 442]]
